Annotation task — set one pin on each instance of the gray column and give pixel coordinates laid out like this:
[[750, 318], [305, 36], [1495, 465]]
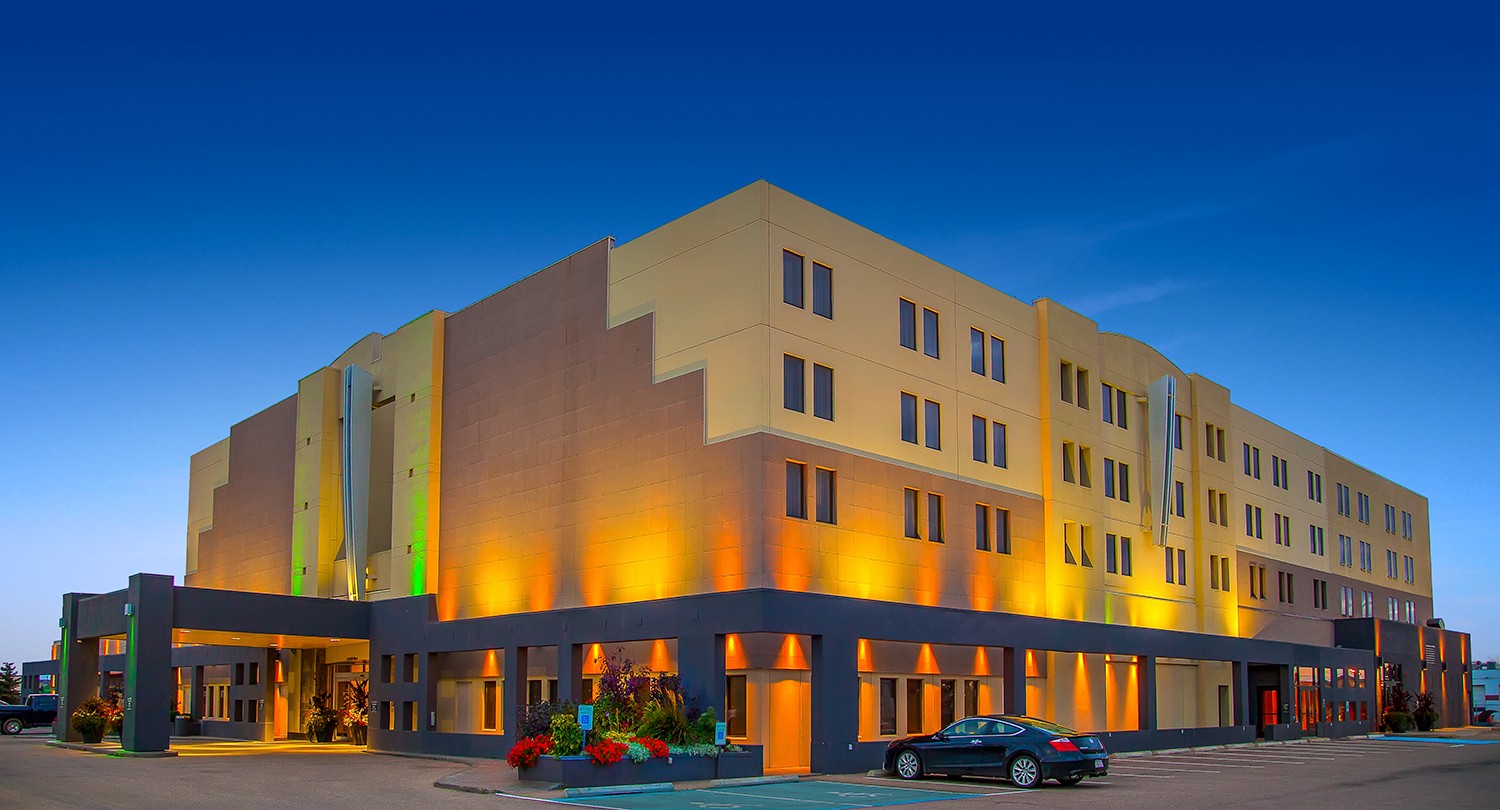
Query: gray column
[[1240, 684], [835, 703], [515, 692], [569, 670], [700, 662], [1014, 666], [428, 705], [77, 672], [149, 685], [267, 709], [196, 696], [1145, 682], [1287, 695]]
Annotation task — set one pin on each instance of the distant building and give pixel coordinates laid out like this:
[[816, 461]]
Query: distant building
[[847, 492]]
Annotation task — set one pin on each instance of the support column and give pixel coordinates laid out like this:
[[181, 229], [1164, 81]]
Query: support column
[[196, 696], [1145, 682], [149, 686], [266, 711], [77, 671], [1014, 671], [835, 704], [569, 670], [700, 662], [427, 706], [1240, 684], [514, 695], [1287, 696]]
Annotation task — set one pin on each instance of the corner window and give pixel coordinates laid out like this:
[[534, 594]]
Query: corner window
[[791, 278]]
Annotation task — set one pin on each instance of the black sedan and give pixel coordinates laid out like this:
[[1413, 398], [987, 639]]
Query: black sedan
[[1024, 750]]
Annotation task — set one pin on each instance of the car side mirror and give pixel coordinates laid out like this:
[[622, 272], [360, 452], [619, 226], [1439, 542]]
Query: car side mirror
[[940, 736]]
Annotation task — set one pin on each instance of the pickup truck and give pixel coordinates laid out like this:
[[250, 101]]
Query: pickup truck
[[39, 710]]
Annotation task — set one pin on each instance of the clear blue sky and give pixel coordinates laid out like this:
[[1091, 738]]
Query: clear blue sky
[[1301, 206]]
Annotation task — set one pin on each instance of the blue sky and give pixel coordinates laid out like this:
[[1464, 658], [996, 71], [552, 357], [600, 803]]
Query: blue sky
[[1299, 205]]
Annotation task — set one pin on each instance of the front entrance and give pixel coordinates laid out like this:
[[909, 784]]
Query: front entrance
[[1268, 699], [344, 677]]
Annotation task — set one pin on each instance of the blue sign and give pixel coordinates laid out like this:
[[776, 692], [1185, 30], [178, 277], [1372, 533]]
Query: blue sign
[[720, 731], [586, 717]]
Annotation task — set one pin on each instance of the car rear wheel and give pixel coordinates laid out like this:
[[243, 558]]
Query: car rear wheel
[[1069, 781], [908, 764], [12, 725], [1025, 771]]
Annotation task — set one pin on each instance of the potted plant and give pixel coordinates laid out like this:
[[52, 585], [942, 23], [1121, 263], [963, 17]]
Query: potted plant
[[1426, 712], [320, 719], [357, 711], [1397, 709], [114, 714], [90, 719]]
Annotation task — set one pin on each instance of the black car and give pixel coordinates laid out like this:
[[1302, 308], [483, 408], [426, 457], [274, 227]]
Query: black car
[[1024, 750], [39, 710]]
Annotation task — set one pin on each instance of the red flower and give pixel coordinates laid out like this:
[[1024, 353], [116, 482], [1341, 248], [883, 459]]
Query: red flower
[[605, 752], [657, 748], [524, 753]]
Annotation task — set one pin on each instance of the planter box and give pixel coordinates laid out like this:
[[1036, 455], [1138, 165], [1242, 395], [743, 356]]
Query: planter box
[[185, 727], [580, 771]]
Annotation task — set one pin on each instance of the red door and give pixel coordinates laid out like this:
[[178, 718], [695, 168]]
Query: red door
[[1270, 705]]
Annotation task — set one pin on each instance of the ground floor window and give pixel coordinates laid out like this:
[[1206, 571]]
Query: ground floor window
[[887, 705], [216, 701], [734, 706]]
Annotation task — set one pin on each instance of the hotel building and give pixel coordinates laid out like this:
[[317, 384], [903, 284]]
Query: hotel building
[[848, 493]]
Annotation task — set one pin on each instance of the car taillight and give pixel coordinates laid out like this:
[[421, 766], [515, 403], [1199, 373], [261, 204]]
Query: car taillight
[[1065, 745]]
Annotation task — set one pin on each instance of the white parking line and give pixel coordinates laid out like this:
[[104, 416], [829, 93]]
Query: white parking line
[[1160, 768], [723, 792], [1215, 763], [1141, 775]]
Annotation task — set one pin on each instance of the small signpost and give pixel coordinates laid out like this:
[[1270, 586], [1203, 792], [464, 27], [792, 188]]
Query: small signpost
[[720, 732], [586, 717]]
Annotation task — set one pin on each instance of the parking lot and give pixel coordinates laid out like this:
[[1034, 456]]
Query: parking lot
[[1406, 773]]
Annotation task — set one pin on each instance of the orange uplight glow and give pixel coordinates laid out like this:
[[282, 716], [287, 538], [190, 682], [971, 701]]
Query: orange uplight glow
[[927, 662], [734, 653], [593, 660], [491, 664], [866, 659], [661, 657], [280, 675], [981, 661], [1031, 668], [791, 655]]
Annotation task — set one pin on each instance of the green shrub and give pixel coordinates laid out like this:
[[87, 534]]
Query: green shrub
[[1397, 722], [703, 727], [666, 721], [567, 735], [537, 719]]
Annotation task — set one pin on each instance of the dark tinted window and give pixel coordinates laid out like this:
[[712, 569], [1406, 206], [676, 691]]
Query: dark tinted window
[[908, 325], [793, 397], [791, 278], [822, 290]]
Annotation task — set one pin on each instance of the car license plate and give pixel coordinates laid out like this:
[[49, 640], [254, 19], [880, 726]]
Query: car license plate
[[1098, 763]]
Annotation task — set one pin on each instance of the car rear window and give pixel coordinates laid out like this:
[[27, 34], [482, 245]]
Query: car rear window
[[1043, 725]]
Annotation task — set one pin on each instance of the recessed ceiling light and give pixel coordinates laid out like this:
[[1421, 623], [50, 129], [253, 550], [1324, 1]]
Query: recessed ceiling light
[[234, 638], [335, 639]]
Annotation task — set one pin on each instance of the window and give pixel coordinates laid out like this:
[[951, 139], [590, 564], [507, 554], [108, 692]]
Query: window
[[1390, 519], [976, 352], [1112, 403], [1315, 539], [1283, 525], [1002, 530], [913, 705], [982, 526], [1065, 372], [1177, 430], [1279, 473], [822, 290], [908, 417], [1346, 551], [1409, 567], [1117, 555], [791, 278], [796, 489], [1346, 600], [1001, 455], [1213, 507], [1175, 565], [1071, 538], [929, 332], [1367, 604], [1392, 565], [1252, 522], [934, 517], [1257, 581], [1218, 570], [1285, 588], [887, 706], [1393, 608], [1252, 461], [1343, 500], [1320, 594], [933, 413], [1364, 507], [491, 703], [913, 516], [1085, 540], [826, 488], [1179, 499], [735, 705], [822, 392], [1117, 480], [997, 359], [1213, 441], [908, 329], [793, 371], [1083, 389], [1067, 463], [1083, 467], [1408, 529], [1366, 556], [1314, 486], [1411, 612], [980, 438]]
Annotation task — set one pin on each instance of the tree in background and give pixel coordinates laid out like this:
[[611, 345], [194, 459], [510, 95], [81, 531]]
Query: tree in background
[[10, 683]]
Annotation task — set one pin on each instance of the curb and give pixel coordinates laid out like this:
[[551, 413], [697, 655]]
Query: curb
[[746, 781], [619, 790]]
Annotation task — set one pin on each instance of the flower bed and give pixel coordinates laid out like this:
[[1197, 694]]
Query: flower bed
[[581, 771]]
